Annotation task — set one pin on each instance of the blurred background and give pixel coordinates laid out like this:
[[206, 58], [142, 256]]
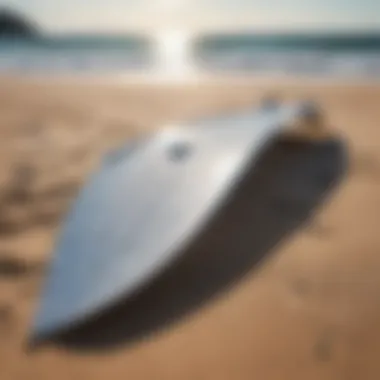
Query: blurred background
[[325, 39], [286, 285]]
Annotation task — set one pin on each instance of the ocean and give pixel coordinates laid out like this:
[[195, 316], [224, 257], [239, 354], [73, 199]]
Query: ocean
[[316, 55], [74, 55]]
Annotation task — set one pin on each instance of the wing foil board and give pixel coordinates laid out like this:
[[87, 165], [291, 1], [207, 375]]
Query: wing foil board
[[143, 206]]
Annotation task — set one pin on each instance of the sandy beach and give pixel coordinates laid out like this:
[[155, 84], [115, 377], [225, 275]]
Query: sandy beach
[[303, 305]]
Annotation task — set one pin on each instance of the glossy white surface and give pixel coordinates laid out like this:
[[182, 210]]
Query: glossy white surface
[[143, 207]]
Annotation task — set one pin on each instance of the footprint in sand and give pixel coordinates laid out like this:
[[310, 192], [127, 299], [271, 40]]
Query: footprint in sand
[[13, 267], [6, 320], [323, 348]]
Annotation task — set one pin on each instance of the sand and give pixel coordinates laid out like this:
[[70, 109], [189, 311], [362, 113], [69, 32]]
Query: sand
[[307, 307]]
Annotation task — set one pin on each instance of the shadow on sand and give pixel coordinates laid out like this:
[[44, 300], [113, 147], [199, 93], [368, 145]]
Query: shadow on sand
[[277, 197]]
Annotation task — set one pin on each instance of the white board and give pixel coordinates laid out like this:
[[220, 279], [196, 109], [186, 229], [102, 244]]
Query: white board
[[144, 206]]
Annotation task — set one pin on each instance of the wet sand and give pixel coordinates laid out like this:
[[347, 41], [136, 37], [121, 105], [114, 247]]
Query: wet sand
[[306, 307]]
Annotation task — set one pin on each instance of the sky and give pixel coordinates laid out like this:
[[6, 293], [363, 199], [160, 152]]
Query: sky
[[116, 16]]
